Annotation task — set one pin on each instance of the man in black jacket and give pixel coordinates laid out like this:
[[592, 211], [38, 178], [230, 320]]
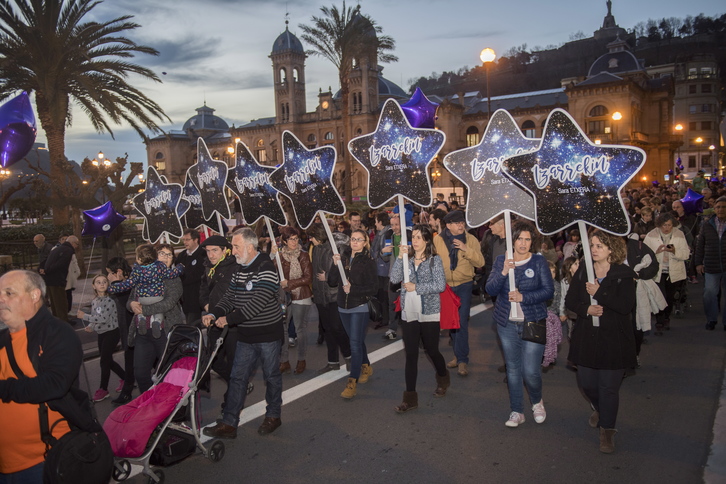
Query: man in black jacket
[[48, 353], [193, 259], [711, 262], [56, 273]]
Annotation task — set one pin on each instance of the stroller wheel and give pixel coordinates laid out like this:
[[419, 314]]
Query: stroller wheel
[[157, 477], [121, 470], [216, 451]]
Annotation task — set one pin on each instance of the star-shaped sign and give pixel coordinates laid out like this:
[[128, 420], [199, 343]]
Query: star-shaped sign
[[479, 167], [396, 157], [210, 177], [158, 205], [572, 179], [250, 182], [191, 207], [306, 178]]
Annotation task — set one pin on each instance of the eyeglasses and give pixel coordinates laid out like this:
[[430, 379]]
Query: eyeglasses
[[357, 240], [294, 238], [165, 254]]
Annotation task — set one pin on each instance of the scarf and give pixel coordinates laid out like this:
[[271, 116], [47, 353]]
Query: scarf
[[292, 256], [210, 274], [453, 251]]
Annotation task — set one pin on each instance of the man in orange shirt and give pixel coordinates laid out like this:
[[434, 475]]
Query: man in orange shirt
[[49, 354]]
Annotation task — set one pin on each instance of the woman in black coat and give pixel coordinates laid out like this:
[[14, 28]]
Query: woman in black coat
[[602, 353], [360, 270]]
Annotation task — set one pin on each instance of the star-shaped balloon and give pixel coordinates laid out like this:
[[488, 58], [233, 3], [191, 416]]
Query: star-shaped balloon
[[479, 167], [158, 205], [692, 202], [396, 157], [191, 207], [306, 178], [101, 221], [572, 179], [210, 178], [420, 112], [17, 129], [250, 181]]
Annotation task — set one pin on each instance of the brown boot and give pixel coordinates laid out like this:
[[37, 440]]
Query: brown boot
[[594, 419], [300, 367], [349, 391], [410, 402], [285, 367], [442, 383], [453, 363], [607, 440], [366, 371]]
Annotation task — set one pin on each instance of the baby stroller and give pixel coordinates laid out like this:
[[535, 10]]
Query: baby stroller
[[162, 425]]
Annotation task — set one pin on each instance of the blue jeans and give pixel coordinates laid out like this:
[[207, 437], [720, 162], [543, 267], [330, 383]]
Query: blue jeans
[[31, 475], [710, 296], [245, 362], [460, 337], [524, 363], [355, 325]]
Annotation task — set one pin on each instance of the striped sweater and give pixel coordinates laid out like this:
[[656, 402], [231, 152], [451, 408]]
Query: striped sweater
[[251, 302]]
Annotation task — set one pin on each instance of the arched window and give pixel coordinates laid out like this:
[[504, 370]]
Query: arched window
[[260, 142], [283, 75], [528, 129], [598, 110], [295, 75], [598, 121], [329, 136], [472, 136], [159, 155], [311, 138]]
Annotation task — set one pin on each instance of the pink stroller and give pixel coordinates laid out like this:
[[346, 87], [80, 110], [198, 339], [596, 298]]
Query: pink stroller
[[162, 425]]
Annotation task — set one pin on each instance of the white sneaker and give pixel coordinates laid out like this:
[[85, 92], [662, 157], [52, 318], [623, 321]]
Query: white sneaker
[[539, 412], [515, 419]]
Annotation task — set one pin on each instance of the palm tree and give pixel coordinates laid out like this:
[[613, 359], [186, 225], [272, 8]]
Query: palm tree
[[46, 46], [344, 36]]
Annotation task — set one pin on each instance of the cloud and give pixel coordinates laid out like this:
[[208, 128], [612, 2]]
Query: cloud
[[185, 51]]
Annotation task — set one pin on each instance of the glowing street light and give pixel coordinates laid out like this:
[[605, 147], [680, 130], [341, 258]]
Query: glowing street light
[[487, 56], [617, 116]]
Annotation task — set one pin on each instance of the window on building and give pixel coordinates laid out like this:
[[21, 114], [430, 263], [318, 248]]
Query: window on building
[[707, 108], [691, 161], [692, 73], [706, 160], [693, 109], [261, 155], [260, 142], [329, 136], [295, 75], [159, 155], [160, 165], [472, 136], [597, 127], [706, 125], [598, 111], [706, 88], [707, 72], [528, 129], [693, 126], [283, 75], [692, 89], [274, 154]]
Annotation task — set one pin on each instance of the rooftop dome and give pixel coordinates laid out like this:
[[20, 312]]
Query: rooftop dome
[[619, 59], [386, 88], [287, 42], [205, 120]]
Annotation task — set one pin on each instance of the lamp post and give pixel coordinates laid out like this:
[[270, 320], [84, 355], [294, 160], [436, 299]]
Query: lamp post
[[3, 175], [487, 56], [698, 142], [617, 116], [710, 157]]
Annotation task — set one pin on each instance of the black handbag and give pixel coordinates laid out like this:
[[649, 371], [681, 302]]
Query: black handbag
[[535, 331], [375, 309]]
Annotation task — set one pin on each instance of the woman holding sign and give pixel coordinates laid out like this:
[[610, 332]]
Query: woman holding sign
[[360, 270], [603, 352], [534, 287], [420, 307]]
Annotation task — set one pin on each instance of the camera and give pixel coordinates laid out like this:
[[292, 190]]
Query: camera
[[669, 246]]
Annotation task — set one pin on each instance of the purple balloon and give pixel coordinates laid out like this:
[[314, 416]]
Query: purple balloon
[[17, 129], [692, 202], [101, 221], [714, 178], [419, 111], [670, 172], [656, 183]]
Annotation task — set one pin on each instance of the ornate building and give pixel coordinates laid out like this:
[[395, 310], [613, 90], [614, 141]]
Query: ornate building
[[618, 101]]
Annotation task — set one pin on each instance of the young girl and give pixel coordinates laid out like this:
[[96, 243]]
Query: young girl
[[103, 320], [569, 267], [554, 327]]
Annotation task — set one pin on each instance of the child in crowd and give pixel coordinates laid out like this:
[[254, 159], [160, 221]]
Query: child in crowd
[[569, 267], [147, 276], [103, 319]]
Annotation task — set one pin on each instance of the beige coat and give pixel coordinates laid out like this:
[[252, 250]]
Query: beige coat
[[468, 260], [677, 264]]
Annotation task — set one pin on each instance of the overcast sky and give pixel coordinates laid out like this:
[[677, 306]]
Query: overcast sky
[[217, 50]]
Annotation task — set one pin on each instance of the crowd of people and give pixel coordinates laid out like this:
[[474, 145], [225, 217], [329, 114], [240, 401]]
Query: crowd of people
[[405, 261]]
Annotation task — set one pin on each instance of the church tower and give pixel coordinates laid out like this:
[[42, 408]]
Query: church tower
[[288, 67], [363, 80]]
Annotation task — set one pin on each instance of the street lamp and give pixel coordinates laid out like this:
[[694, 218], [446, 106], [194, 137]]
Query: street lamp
[[698, 142], [679, 127], [3, 175], [487, 56], [710, 158], [617, 116]]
